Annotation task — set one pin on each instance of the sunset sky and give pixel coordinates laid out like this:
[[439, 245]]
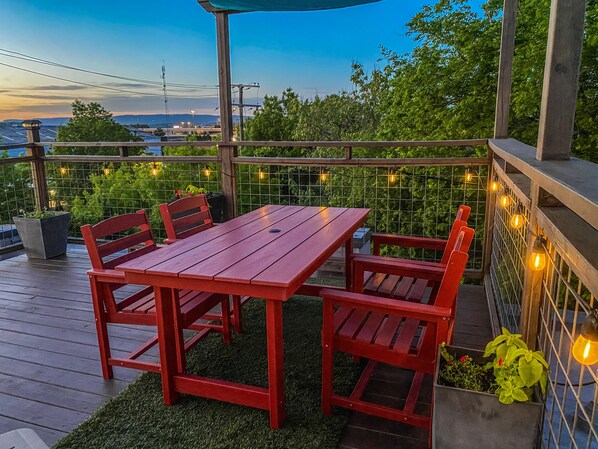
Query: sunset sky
[[311, 52]]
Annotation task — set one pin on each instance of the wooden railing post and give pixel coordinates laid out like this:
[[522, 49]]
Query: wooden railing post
[[226, 152], [38, 168]]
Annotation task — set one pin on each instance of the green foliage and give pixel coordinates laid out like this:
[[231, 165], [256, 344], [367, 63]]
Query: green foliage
[[38, 214], [512, 374], [92, 123]]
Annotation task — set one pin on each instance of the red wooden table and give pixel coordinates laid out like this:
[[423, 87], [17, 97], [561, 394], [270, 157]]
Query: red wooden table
[[268, 253]]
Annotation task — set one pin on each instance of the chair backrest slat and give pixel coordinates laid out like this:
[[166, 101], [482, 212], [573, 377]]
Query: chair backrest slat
[[186, 216], [463, 213], [129, 256], [452, 238], [98, 251], [447, 291]]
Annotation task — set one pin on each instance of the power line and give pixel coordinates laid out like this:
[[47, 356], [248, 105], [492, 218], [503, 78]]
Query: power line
[[25, 57], [98, 86]]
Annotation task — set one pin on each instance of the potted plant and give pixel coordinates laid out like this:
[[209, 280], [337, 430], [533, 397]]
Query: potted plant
[[489, 404], [44, 233], [215, 200]]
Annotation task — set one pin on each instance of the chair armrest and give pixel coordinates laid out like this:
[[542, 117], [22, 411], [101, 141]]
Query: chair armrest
[[399, 267], [406, 309], [407, 242], [110, 276]]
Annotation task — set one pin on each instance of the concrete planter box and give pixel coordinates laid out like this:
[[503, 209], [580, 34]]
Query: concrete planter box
[[464, 419], [44, 238]]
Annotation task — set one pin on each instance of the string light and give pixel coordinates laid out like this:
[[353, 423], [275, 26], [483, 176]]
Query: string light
[[585, 348], [538, 257], [392, 177], [206, 171], [106, 170], [517, 218], [261, 174], [63, 170], [468, 175], [323, 176], [504, 200], [494, 185], [154, 171]]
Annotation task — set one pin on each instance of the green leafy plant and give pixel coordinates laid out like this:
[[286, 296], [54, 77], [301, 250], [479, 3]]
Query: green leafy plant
[[38, 213], [512, 374], [191, 190]]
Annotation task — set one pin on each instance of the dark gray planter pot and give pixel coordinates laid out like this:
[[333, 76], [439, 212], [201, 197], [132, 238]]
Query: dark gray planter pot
[[464, 419], [46, 237], [216, 202]]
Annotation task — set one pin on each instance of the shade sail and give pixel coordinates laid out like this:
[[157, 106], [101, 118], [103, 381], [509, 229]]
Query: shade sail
[[285, 5]]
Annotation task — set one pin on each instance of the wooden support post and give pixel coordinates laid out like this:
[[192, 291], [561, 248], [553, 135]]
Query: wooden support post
[[532, 282], [505, 70], [38, 169], [561, 76], [489, 218], [123, 151], [226, 152]]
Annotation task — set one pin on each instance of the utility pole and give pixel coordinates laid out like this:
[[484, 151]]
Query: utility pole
[[165, 93], [242, 105]]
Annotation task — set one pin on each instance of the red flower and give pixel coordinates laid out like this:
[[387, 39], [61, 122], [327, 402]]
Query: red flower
[[463, 358], [500, 362]]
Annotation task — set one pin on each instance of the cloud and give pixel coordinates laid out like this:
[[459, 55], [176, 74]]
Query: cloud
[[54, 87], [42, 97]]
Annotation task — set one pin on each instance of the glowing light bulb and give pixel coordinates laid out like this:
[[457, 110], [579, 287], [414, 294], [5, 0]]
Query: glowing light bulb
[[538, 257], [154, 171], [494, 186], [392, 178], [323, 176], [206, 171], [585, 348], [63, 170], [468, 175], [106, 171], [517, 218], [504, 201], [261, 175]]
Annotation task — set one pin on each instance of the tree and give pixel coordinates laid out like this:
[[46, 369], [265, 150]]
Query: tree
[[92, 123]]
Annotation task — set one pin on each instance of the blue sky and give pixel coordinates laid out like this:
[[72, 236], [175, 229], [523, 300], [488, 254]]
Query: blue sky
[[309, 51]]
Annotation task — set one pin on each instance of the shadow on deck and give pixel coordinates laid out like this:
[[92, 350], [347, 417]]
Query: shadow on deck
[[50, 377]]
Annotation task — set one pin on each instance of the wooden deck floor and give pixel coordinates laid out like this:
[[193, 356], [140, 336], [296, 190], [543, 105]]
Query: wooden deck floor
[[50, 377]]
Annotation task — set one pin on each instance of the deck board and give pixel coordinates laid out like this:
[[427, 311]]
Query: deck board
[[50, 380]]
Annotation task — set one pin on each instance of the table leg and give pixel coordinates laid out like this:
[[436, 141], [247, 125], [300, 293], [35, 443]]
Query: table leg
[[167, 338], [275, 362], [348, 263]]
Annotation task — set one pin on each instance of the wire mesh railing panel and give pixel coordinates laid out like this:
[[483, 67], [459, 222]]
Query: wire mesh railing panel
[[93, 191], [16, 196], [507, 261], [571, 415], [414, 200]]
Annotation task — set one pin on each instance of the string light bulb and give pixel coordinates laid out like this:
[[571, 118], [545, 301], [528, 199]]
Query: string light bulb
[[324, 176], [63, 170], [504, 200], [585, 348], [154, 171], [517, 218], [494, 186], [206, 171], [106, 170], [538, 256], [392, 177], [468, 175], [261, 174]]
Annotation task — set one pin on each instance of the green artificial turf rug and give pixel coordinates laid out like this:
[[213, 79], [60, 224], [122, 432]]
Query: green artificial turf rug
[[137, 417]]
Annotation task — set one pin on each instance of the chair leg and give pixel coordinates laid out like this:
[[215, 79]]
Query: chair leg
[[226, 331], [237, 323], [102, 331]]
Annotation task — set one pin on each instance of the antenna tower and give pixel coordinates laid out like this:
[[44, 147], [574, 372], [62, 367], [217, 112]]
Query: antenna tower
[[165, 93]]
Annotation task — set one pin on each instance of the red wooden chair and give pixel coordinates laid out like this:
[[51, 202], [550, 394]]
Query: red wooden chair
[[137, 308], [397, 332], [185, 217], [384, 284]]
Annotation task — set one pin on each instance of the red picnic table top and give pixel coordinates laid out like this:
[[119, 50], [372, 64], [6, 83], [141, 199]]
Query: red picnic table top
[[268, 253]]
